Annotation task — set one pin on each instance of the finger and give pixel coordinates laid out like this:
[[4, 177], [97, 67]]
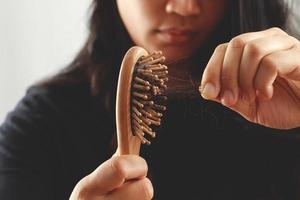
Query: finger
[[133, 190], [114, 172], [287, 63], [231, 65], [272, 32], [283, 63], [210, 83], [242, 39], [229, 76], [253, 53], [232, 60]]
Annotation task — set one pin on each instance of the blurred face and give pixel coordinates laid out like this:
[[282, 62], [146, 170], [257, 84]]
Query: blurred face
[[177, 27]]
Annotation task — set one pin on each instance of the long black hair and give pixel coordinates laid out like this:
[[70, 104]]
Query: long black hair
[[97, 63]]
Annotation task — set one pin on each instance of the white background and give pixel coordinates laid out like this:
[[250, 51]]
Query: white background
[[37, 38]]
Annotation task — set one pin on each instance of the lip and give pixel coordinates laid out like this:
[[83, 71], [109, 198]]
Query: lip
[[176, 36]]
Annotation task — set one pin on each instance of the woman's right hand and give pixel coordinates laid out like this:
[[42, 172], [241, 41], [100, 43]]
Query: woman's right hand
[[120, 177]]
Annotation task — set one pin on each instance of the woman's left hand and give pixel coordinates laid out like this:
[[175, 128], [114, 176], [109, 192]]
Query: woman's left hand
[[257, 75]]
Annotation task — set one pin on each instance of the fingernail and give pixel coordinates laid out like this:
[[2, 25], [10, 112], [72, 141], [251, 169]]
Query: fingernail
[[227, 98], [208, 91]]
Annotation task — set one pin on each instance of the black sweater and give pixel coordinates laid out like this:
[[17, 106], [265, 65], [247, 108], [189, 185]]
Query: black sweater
[[57, 135]]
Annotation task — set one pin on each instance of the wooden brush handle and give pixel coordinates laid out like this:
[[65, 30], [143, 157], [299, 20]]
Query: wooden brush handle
[[127, 142]]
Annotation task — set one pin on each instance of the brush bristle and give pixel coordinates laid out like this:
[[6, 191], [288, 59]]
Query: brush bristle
[[147, 96]]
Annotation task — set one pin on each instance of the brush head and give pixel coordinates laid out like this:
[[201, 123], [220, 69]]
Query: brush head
[[147, 95], [140, 98]]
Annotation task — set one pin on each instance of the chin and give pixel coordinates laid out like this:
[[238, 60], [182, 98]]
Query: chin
[[172, 54]]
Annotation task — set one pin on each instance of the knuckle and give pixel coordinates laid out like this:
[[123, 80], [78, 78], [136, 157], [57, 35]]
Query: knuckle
[[146, 189], [277, 30], [268, 63], [254, 50], [118, 166], [294, 40], [145, 164], [238, 42], [221, 48], [267, 67], [81, 190]]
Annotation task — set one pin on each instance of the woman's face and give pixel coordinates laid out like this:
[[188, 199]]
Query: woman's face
[[177, 27]]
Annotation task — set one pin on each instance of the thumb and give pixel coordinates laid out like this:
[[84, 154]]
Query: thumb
[[114, 172]]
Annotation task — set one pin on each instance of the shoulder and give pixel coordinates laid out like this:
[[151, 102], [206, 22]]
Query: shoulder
[[45, 100], [51, 130], [61, 115], [44, 107]]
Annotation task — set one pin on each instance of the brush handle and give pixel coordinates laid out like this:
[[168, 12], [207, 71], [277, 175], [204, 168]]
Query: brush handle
[[127, 142]]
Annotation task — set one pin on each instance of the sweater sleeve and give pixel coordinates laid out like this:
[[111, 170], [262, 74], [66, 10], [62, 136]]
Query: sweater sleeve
[[25, 150]]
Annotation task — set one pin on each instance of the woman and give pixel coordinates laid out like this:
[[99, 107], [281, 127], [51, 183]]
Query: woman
[[59, 141]]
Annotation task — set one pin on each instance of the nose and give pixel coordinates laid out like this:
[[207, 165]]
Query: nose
[[183, 7]]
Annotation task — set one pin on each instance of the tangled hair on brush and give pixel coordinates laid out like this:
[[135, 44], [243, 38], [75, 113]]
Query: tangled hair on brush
[[98, 62]]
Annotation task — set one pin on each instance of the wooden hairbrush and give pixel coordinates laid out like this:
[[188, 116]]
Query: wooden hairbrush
[[140, 96]]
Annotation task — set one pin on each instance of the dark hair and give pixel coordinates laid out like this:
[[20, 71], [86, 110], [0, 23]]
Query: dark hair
[[98, 62]]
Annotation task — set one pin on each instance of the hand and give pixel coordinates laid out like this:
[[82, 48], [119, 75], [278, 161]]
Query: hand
[[121, 177], [257, 75]]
